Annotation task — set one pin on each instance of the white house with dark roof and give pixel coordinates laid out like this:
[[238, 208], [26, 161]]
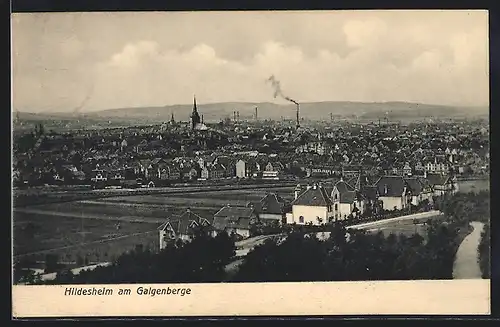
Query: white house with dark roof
[[394, 192], [312, 206], [346, 200], [420, 190]]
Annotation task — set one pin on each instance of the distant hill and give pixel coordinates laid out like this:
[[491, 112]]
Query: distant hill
[[312, 110]]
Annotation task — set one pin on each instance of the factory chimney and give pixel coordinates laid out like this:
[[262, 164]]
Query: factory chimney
[[256, 110], [237, 116], [234, 116], [298, 108]]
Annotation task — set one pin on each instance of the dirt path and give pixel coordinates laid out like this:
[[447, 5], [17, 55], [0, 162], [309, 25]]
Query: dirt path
[[466, 265], [380, 223]]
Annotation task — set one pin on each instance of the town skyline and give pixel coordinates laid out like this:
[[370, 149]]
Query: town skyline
[[96, 61]]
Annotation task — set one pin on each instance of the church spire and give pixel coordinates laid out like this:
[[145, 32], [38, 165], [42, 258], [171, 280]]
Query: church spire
[[195, 117]]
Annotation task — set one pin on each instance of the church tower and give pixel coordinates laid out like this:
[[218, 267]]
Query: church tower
[[195, 116]]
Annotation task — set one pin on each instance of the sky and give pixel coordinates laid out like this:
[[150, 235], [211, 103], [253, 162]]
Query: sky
[[65, 62]]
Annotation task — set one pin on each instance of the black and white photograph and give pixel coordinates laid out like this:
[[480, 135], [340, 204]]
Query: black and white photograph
[[250, 147]]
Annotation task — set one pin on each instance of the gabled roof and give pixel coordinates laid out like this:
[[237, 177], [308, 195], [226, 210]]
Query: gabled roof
[[437, 179], [270, 204], [415, 185], [425, 182], [235, 212], [343, 187], [394, 185], [347, 197], [184, 224], [222, 223], [315, 197], [370, 192]]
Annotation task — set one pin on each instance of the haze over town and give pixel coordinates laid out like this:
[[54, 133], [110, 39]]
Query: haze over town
[[94, 61]]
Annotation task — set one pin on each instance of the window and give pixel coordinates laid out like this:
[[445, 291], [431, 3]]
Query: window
[[336, 207], [301, 219], [336, 196]]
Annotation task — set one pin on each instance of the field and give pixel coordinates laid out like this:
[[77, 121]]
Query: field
[[101, 229], [474, 185]]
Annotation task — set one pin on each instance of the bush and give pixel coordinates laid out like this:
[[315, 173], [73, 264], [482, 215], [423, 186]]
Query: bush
[[51, 263]]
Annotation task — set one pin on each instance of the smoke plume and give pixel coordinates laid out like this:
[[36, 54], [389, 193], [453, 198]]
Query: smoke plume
[[84, 102], [277, 89]]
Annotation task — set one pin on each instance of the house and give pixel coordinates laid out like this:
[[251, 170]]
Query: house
[[394, 192], [272, 170], [181, 227], [192, 173], [146, 168], [163, 171], [312, 206], [98, 175], [271, 208], [204, 161], [241, 169], [427, 190], [438, 166], [237, 220], [419, 190], [442, 184], [323, 171], [213, 172], [346, 200], [350, 171], [229, 169], [407, 171], [419, 166], [174, 172]]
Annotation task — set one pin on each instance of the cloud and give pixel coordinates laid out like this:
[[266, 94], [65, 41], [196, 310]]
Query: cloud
[[228, 57], [361, 33]]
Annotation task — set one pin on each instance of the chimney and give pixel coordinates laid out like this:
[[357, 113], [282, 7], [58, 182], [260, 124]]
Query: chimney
[[202, 120], [238, 116], [256, 111], [298, 120], [234, 116]]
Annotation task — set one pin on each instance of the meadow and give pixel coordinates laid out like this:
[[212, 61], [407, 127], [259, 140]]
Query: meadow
[[474, 185], [97, 229]]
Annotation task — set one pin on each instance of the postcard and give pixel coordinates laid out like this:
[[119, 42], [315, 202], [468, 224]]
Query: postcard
[[250, 163]]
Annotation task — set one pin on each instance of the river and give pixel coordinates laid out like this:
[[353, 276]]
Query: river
[[466, 265]]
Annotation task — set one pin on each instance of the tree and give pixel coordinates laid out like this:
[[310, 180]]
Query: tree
[[51, 263], [484, 251], [65, 276]]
